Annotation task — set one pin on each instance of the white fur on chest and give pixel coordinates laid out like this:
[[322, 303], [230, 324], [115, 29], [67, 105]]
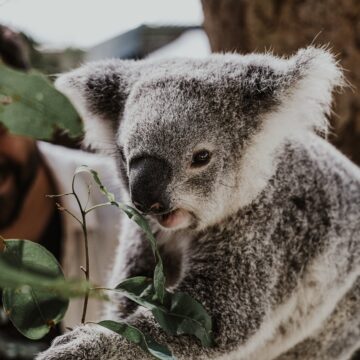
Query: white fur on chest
[[299, 317]]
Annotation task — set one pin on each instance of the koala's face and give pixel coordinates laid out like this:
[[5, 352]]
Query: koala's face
[[194, 139], [179, 153]]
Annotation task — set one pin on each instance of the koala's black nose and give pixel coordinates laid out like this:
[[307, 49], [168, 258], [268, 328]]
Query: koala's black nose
[[149, 177]]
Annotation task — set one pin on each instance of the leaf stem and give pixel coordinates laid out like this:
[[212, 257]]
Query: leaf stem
[[69, 212], [97, 206], [87, 259], [87, 266]]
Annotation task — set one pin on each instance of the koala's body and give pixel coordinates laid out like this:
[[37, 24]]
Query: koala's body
[[257, 217]]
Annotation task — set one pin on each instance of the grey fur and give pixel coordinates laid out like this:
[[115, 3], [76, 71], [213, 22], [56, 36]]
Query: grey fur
[[277, 265]]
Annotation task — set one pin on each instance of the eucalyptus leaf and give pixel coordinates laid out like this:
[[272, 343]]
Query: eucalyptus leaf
[[139, 289], [178, 314], [134, 335], [159, 277], [32, 311], [11, 277], [141, 286], [185, 315], [30, 105]]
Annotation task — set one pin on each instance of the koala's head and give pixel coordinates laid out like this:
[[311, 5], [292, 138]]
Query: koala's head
[[195, 140]]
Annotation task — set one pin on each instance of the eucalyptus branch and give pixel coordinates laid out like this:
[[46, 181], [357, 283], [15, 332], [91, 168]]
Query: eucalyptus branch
[[86, 242], [170, 310], [83, 225]]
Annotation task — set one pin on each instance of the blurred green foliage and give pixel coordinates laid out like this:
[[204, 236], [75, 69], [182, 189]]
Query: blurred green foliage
[[30, 105], [52, 61]]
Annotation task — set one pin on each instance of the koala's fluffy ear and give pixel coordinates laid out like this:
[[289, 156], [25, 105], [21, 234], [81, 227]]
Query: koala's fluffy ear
[[300, 87], [98, 91], [312, 75]]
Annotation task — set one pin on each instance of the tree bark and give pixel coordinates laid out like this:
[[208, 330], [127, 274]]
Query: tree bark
[[283, 26]]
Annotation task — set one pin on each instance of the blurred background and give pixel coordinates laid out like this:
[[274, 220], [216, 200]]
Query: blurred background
[[61, 34], [54, 36]]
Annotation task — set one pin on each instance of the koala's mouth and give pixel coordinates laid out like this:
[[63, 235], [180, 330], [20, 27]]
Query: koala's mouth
[[178, 218]]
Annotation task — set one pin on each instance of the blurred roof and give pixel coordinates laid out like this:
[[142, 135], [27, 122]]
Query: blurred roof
[[138, 43], [192, 43]]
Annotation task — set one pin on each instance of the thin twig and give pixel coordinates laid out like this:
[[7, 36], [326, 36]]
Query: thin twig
[[87, 269], [61, 208], [97, 206], [57, 195], [87, 260]]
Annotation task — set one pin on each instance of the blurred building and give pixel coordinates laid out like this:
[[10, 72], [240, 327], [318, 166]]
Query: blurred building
[[143, 41], [153, 41]]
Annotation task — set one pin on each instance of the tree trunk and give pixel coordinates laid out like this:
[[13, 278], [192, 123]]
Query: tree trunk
[[286, 25]]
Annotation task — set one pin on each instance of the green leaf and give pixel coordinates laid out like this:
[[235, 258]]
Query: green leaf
[[185, 315], [30, 105], [133, 214], [140, 289], [33, 312], [159, 277], [178, 314], [134, 335], [12, 277]]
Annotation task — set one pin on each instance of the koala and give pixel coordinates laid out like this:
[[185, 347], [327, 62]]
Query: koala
[[256, 215]]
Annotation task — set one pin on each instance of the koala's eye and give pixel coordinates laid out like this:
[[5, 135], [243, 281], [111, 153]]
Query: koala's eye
[[200, 158]]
